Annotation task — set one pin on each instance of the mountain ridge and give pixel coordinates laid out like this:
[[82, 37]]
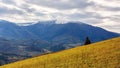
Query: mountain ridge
[[50, 31]]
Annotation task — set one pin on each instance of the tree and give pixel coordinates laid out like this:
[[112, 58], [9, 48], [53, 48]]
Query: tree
[[87, 41]]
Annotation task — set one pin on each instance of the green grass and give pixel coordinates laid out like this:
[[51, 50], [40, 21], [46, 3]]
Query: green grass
[[105, 54]]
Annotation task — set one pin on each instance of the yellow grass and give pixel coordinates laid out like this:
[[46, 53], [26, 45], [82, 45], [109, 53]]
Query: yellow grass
[[104, 54]]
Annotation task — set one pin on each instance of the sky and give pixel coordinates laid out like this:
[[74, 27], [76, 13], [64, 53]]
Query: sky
[[102, 13]]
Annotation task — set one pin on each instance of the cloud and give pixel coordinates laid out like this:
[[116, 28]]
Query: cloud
[[103, 13], [61, 4]]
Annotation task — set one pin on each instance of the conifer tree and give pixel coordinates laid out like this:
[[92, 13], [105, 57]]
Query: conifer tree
[[87, 41]]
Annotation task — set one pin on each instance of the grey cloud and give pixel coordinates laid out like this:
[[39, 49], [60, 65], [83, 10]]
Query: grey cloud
[[27, 8], [5, 10], [112, 9], [8, 1], [61, 4], [108, 8]]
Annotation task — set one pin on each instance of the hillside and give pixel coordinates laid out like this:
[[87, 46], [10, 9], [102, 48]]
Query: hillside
[[105, 54]]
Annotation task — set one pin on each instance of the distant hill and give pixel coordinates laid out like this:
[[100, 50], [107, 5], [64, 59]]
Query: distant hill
[[6, 58], [69, 33], [103, 54], [14, 50], [23, 47]]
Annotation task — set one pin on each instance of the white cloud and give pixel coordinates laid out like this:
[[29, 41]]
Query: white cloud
[[108, 3], [103, 13]]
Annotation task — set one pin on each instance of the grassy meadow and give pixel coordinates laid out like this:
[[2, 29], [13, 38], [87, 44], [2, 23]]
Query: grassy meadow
[[105, 54]]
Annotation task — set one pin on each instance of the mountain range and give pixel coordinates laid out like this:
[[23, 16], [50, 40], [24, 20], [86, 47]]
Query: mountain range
[[72, 32]]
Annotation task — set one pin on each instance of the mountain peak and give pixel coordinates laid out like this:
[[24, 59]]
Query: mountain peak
[[47, 22]]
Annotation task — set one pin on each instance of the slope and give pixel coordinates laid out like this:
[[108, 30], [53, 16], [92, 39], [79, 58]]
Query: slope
[[105, 54]]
